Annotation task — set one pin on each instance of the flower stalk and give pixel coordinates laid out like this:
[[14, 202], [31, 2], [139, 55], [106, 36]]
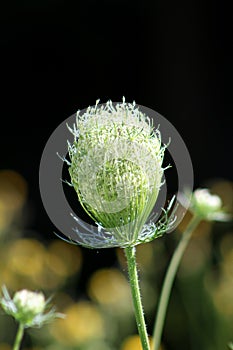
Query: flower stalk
[[169, 280], [130, 253], [19, 337], [204, 206]]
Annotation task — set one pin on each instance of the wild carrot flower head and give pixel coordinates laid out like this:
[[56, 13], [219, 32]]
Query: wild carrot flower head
[[28, 308], [116, 170]]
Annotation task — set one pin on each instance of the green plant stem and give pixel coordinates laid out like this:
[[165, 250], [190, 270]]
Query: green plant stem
[[130, 253], [169, 279], [19, 337]]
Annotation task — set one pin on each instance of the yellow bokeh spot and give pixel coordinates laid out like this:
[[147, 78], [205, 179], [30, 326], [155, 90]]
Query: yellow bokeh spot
[[83, 322], [133, 342], [64, 259], [29, 262], [13, 194], [109, 286], [26, 256], [13, 189], [4, 346]]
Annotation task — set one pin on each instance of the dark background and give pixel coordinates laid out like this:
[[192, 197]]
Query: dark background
[[174, 57]]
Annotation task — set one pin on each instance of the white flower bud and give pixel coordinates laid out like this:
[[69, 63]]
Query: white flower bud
[[205, 204], [28, 308], [29, 303]]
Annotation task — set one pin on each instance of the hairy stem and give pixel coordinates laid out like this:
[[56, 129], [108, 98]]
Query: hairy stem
[[130, 253]]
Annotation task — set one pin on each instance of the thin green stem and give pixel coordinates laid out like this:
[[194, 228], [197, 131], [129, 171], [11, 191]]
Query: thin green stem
[[19, 337], [169, 279], [130, 253]]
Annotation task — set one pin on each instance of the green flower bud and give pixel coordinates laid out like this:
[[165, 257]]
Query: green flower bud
[[116, 169]]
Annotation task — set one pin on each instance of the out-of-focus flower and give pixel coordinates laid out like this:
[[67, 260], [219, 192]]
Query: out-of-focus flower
[[28, 308], [13, 194], [110, 287], [208, 206], [26, 262], [4, 346], [116, 170], [83, 323]]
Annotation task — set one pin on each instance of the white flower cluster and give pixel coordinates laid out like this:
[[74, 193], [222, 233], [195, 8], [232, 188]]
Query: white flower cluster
[[116, 169]]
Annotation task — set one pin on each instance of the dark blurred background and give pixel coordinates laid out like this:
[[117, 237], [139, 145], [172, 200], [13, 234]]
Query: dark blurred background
[[58, 57]]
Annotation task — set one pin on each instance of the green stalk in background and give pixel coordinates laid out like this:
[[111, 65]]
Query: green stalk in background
[[19, 337], [204, 206], [169, 280]]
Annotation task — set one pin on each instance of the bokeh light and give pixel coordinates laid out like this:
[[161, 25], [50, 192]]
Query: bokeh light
[[133, 343], [110, 287], [13, 195], [26, 257], [64, 259], [83, 323], [27, 263], [23, 262], [4, 346]]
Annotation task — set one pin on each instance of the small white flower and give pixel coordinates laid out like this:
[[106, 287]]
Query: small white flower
[[30, 303], [28, 308], [208, 206], [206, 201]]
